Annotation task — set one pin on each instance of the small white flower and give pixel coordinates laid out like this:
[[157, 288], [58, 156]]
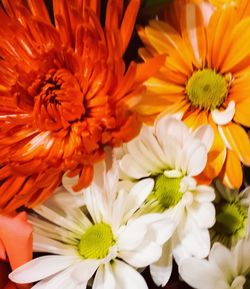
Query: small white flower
[[102, 237], [224, 269], [231, 214], [173, 156]]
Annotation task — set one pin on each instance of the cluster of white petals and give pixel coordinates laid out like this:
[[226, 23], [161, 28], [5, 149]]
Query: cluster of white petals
[[61, 223], [146, 205], [224, 269], [171, 150]]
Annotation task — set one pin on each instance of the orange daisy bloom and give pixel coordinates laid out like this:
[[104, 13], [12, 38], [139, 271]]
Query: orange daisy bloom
[[205, 79], [65, 93]]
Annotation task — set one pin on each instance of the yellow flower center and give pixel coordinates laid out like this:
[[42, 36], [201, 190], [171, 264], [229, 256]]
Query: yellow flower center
[[206, 89], [167, 191], [96, 242]]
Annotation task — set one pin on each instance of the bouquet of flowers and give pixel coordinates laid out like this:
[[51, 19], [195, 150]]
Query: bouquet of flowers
[[124, 144]]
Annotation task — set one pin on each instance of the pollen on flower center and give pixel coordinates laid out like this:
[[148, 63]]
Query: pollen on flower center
[[96, 241], [206, 89], [167, 191], [231, 219]]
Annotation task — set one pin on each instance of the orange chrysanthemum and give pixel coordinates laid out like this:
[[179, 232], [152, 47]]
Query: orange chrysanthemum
[[65, 93], [205, 79]]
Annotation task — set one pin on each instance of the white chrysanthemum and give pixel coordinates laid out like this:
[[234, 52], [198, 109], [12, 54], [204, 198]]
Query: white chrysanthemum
[[172, 155], [224, 269], [231, 214], [101, 237]]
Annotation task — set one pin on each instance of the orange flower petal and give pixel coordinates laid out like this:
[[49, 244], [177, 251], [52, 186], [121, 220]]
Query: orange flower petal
[[196, 118], [65, 92], [149, 68], [239, 49], [129, 21], [216, 156], [85, 178], [232, 175], [237, 140], [193, 33], [242, 114], [221, 21], [16, 235]]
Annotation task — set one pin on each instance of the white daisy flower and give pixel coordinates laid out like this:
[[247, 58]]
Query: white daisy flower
[[231, 214], [224, 269], [102, 237], [173, 156]]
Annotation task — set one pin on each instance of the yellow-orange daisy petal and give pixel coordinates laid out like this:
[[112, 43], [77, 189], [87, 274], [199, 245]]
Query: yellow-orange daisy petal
[[242, 115], [231, 174], [237, 140]]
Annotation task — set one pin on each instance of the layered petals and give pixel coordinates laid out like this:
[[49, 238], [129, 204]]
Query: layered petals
[[65, 94]]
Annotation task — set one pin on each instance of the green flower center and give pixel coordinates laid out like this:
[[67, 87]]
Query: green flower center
[[167, 191], [206, 89], [96, 242], [231, 219]]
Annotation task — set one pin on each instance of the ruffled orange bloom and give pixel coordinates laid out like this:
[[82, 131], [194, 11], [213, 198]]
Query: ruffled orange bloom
[[65, 93], [205, 79], [15, 246]]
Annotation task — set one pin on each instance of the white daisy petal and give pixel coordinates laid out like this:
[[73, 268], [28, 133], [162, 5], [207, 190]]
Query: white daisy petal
[[69, 182], [171, 127], [148, 138], [160, 227], [204, 214], [137, 195], [197, 160], [104, 278], [62, 280], [199, 273], [41, 268], [196, 241], [225, 116], [117, 212], [85, 270], [127, 277], [47, 245], [221, 257], [162, 269], [66, 201], [132, 168], [131, 236], [204, 194], [205, 134], [142, 256], [162, 230], [143, 155], [57, 218]]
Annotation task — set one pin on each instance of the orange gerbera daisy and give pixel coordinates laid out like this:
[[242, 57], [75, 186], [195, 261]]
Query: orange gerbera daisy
[[205, 79], [65, 93]]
